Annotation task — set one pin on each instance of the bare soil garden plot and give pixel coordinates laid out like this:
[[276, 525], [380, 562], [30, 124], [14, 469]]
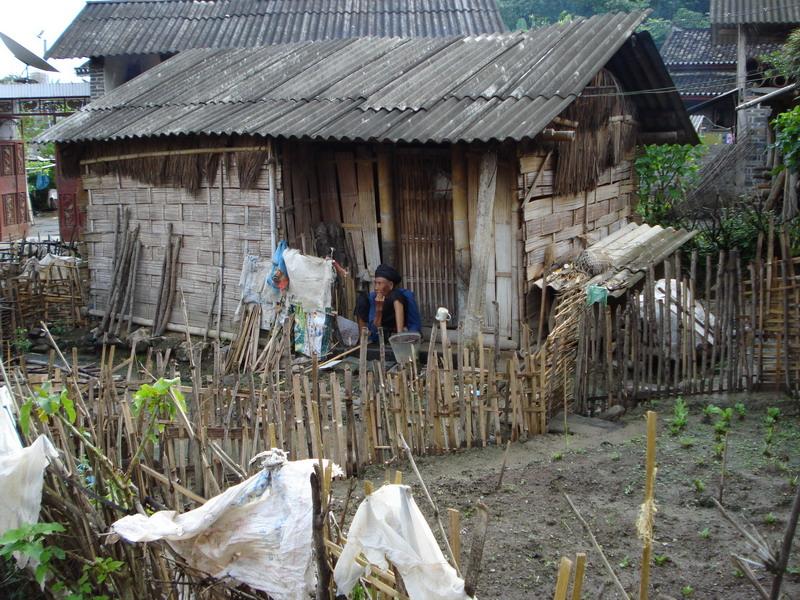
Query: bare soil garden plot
[[532, 526]]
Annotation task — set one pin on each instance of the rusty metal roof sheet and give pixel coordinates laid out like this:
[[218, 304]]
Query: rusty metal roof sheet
[[741, 12], [491, 87], [165, 26]]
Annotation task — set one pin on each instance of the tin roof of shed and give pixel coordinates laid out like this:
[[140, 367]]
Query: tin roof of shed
[[494, 87]]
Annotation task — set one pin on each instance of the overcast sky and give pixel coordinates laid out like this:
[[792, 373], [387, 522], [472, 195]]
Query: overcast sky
[[23, 20]]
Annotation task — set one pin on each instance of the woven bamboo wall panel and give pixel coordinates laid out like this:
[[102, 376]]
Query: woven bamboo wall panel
[[218, 225], [566, 223]]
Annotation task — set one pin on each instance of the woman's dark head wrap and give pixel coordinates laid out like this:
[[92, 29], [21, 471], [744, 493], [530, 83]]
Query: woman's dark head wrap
[[389, 273]]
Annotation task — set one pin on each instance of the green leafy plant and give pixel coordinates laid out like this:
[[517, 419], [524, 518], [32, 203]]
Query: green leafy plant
[[770, 421], [770, 519], [29, 541], [687, 591], [21, 342], [45, 404], [660, 559], [625, 563], [680, 414], [666, 173], [741, 410], [710, 411], [705, 533], [556, 456], [95, 582], [719, 450], [787, 137], [687, 442], [699, 486]]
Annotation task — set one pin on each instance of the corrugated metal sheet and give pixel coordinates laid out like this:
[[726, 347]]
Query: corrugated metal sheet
[[694, 47], [629, 251], [704, 83], [166, 26], [739, 12], [20, 91], [494, 87]]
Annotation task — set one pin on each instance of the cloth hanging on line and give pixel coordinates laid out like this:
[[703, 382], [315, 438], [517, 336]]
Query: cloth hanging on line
[[310, 280]]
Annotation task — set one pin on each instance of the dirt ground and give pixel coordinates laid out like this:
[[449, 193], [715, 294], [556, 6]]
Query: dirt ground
[[532, 526]]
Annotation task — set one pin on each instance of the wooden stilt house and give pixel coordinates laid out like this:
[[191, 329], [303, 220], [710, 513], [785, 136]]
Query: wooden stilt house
[[469, 162]]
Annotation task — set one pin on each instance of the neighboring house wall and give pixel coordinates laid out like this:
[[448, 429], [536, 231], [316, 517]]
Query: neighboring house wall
[[219, 225], [121, 69], [97, 79]]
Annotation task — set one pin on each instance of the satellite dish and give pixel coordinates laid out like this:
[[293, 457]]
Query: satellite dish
[[25, 55]]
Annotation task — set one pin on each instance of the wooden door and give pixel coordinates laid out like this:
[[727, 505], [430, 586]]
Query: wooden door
[[14, 220], [424, 206], [71, 212]]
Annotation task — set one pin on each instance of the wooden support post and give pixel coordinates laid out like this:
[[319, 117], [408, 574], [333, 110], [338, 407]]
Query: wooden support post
[[482, 247], [386, 199], [458, 169]]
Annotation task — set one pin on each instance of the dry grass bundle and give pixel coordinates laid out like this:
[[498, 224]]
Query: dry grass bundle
[[173, 162], [605, 134]]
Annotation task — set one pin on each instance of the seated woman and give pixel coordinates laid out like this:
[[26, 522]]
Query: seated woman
[[389, 308]]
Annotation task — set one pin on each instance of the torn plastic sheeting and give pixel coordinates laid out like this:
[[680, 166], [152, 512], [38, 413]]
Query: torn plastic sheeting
[[21, 475], [389, 525], [310, 280], [258, 532]]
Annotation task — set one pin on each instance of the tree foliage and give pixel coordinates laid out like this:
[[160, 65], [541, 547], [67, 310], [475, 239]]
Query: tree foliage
[[787, 137], [529, 14]]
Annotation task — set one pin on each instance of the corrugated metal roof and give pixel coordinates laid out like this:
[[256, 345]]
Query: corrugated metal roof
[[694, 47], [740, 12], [629, 252], [496, 87], [704, 83], [166, 26], [20, 91]]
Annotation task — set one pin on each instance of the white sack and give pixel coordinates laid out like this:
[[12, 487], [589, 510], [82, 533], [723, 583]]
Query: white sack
[[310, 280], [698, 318], [258, 532], [389, 525], [21, 479], [256, 290]]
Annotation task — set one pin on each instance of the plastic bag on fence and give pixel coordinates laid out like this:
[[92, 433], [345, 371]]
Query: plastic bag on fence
[[21, 475], [389, 525], [258, 532], [278, 278], [312, 332], [254, 282], [310, 280]]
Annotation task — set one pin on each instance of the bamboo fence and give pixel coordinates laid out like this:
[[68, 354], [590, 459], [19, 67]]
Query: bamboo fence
[[748, 339]]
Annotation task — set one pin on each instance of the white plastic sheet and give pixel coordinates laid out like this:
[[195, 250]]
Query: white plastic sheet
[[258, 532], [310, 280], [681, 315], [21, 474], [389, 525]]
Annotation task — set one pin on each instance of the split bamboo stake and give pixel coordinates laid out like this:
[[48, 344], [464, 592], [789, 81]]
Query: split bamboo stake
[[562, 584], [597, 547], [580, 569], [436, 513], [648, 509], [454, 525]]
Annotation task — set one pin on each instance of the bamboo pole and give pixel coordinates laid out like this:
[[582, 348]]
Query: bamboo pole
[[580, 568], [562, 583], [647, 511]]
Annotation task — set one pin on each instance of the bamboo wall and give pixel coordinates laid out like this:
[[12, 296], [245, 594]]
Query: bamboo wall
[[219, 225], [568, 223]]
